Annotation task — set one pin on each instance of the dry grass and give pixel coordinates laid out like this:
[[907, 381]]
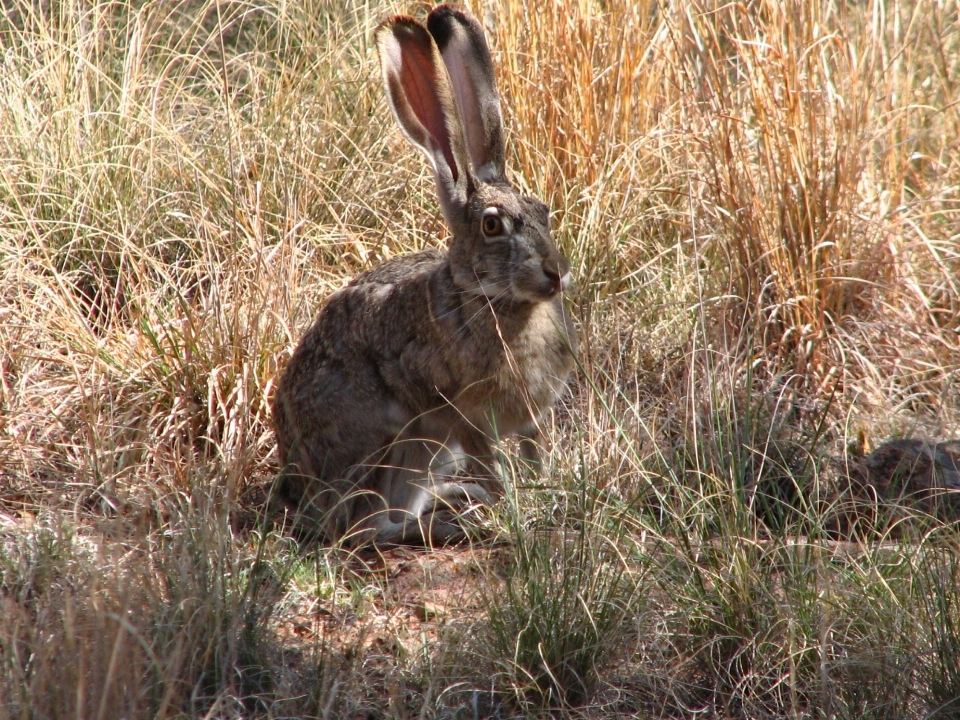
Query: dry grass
[[762, 204]]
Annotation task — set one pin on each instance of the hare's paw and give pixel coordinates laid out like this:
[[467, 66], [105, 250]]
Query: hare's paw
[[458, 496], [437, 527]]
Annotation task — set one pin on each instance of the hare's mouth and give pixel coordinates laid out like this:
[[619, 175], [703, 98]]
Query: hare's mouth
[[553, 284], [525, 289], [558, 285], [539, 293]]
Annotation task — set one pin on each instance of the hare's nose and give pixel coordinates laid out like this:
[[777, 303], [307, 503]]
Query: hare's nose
[[557, 270]]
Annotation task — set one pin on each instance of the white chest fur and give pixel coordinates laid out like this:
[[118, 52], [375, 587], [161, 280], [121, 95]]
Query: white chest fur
[[535, 366]]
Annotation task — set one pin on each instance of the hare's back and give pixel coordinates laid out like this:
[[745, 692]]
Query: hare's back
[[402, 269], [374, 316]]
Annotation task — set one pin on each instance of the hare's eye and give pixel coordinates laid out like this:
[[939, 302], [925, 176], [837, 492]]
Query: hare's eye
[[492, 225]]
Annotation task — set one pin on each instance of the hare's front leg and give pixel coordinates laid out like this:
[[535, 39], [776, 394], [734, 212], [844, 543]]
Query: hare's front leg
[[481, 466], [531, 445]]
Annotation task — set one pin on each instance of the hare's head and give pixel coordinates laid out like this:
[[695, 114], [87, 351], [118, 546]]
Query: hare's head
[[440, 85]]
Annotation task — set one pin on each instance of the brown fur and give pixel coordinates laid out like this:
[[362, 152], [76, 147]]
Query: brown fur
[[901, 481], [414, 369]]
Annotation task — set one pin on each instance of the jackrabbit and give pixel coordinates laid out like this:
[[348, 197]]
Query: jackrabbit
[[387, 412], [913, 472], [899, 483]]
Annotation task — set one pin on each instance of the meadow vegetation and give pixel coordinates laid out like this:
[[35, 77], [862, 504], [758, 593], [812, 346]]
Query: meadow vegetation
[[761, 203]]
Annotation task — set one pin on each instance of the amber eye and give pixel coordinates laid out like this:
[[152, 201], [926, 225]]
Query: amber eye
[[492, 225]]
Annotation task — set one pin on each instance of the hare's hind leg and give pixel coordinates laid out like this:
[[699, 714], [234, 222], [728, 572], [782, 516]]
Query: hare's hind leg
[[419, 495], [431, 516], [429, 529]]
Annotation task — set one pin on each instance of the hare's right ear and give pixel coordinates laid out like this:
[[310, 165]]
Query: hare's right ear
[[418, 90], [467, 57]]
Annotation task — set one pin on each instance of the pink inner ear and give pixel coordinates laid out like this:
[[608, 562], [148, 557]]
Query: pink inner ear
[[418, 76], [466, 92]]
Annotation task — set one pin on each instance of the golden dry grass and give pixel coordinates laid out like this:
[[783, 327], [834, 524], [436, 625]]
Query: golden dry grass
[[762, 205]]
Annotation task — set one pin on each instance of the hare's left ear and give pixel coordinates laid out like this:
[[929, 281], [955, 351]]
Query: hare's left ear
[[467, 57], [419, 93]]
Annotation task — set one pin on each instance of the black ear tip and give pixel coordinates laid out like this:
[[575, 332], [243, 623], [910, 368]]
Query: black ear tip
[[441, 12], [441, 22]]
